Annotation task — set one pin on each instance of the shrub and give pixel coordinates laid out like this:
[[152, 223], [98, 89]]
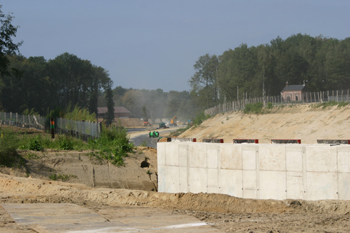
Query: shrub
[[35, 144], [66, 143], [253, 108], [269, 105], [8, 155]]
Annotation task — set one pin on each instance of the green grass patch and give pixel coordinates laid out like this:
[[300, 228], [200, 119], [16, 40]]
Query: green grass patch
[[61, 177], [331, 104], [113, 145], [9, 157]]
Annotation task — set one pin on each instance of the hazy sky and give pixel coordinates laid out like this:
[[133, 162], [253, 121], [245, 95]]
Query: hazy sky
[[155, 43]]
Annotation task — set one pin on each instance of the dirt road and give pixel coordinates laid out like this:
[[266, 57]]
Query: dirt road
[[142, 138], [225, 213]]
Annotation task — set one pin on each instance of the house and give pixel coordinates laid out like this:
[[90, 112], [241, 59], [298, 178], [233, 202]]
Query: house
[[293, 93], [119, 112]]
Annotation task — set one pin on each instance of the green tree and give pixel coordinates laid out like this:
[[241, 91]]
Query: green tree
[[7, 47], [110, 104], [204, 81]]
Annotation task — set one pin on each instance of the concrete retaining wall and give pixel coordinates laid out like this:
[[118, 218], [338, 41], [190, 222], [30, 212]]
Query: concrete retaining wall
[[260, 171]]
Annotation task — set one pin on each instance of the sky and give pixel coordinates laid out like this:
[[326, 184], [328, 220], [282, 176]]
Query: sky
[[150, 44]]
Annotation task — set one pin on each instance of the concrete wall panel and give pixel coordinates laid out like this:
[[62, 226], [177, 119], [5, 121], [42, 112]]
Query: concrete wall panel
[[231, 157], [198, 180], [213, 181], [183, 180], [321, 186], [272, 157], [161, 151], [249, 184], [213, 152], [344, 161], [172, 154], [294, 159], [344, 186], [321, 158], [231, 182], [272, 185], [295, 186], [197, 155], [173, 183], [183, 155], [310, 172], [249, 160]]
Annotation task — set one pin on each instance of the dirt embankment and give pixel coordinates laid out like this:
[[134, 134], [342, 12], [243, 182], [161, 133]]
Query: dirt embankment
[[303, 122], [139, 171]]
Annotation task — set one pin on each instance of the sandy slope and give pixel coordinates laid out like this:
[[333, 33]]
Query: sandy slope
[[303, 122]]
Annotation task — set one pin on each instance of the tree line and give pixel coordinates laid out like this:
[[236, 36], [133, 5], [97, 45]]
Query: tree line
[[42, 84], [248, 72]]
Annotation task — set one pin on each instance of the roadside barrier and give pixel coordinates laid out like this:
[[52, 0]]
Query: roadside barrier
[[213, 140], [285, 141], [238, 141], [183, 140], [332, 141]]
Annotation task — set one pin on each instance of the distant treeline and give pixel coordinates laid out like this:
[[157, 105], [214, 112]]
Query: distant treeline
[[40, 85], [244, 72], [44, 85], [323, 63]]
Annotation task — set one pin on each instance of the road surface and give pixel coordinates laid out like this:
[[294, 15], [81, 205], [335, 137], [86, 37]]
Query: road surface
[[141, 137]]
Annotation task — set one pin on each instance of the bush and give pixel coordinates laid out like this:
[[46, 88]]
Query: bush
[[269, 105], [253, 108], [113, 144], [35, 144], [66, 143], [8, 155]]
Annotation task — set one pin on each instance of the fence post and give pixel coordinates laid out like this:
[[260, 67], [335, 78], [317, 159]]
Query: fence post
[[337, 96], [348, 95]]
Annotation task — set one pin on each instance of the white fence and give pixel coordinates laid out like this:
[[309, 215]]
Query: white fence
[[307, 97]]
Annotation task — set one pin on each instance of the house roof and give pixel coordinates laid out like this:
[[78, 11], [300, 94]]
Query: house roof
[[294, 88], [118, 109]]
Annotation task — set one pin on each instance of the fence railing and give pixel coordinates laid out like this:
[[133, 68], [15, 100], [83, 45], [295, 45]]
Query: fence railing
[[307, 97], [80, 129]]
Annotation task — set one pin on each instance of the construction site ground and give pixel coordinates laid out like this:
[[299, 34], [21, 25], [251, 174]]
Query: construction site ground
[[35, 203]]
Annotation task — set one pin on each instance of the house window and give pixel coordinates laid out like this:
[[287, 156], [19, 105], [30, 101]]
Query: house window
[[296, 98]]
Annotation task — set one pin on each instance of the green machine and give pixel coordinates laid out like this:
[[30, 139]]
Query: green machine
[[153, 134]]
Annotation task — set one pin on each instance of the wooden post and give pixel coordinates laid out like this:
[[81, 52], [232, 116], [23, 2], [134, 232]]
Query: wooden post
[[337, 96], [52, 127]]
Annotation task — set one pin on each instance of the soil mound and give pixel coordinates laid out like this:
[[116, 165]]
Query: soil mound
[[305, 122]]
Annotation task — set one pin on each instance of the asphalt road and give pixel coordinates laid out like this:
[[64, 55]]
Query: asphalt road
[[141, 137]]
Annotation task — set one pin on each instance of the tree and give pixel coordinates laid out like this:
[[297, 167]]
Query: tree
[[7, 47], [204, 81], [110, 104]]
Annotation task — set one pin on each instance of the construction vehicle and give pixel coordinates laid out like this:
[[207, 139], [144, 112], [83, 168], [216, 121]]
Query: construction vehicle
[[162, 125], [146, 123], [173, 121], [153, 134]]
